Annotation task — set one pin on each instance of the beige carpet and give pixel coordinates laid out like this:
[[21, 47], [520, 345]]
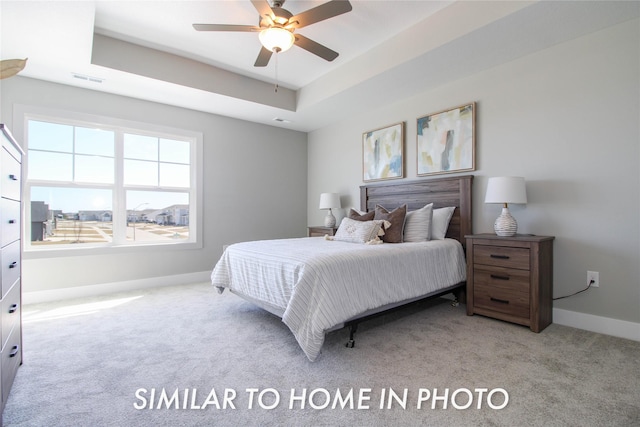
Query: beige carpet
[[89, 362]]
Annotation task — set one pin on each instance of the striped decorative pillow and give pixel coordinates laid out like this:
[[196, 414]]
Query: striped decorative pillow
[[417, 225]]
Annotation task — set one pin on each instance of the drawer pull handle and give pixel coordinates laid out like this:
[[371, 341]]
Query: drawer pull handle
[[12, 177], [499, 277], [14, 351], [13, 264], [12, 221], [13, 308], [499, 256], [501, 301]]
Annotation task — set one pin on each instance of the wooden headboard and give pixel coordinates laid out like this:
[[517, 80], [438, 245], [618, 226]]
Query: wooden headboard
[[442, 192]]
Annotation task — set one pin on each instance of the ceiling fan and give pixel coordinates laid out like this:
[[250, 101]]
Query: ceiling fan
[[277, 26]]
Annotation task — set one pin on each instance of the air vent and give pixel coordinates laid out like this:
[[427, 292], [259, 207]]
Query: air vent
[[87, 78]]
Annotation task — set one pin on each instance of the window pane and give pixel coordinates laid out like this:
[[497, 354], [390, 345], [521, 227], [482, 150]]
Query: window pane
[[50, 136], [94, 141], [62, 216], [138, 172], [50, 166], [174, 151], [140, 147], [154, 216], [77, 169], [174, 175], [94, 169]]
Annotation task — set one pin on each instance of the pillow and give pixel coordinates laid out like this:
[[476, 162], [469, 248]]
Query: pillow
[[392, 234], [354, 214], [417, 224], [355, 231], [440, 222]]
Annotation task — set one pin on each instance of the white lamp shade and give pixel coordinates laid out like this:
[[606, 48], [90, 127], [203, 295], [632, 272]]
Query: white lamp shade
[[506, 189], [276, 39], [329, 200]]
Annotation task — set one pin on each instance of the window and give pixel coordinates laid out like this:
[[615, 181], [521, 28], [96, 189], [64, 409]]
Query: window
[[96, 182]]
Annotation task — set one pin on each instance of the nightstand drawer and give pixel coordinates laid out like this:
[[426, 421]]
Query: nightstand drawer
[[501, 256], [319, 231], [502, 291]]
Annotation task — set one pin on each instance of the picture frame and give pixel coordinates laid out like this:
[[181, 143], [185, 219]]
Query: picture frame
[[383, 153], [445, 141]]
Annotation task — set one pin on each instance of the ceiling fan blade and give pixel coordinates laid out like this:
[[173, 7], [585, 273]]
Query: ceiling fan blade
[[315, 48], [225, 27], [263, 8], [11, 67], [320, 13], [263, 57]]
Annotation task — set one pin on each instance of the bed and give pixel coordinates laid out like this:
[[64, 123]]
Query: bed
[[319, 284]]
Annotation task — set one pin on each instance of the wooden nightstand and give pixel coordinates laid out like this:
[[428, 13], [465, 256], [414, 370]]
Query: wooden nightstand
[[320, 230], [511, 278]]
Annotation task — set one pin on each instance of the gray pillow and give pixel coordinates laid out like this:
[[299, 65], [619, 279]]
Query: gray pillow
[[440, 222]]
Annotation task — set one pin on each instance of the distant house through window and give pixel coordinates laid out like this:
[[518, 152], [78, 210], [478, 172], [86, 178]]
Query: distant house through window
[[95, 184]]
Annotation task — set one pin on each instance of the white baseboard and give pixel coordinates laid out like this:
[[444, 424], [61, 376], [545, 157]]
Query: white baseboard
[[110, 288], [599, 324]]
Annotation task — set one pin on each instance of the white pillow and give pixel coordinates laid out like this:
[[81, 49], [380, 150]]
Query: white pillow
[[354, 231], [417, 224], [440, 222]]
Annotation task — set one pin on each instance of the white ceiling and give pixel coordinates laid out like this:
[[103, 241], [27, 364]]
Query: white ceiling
[[388, 50]]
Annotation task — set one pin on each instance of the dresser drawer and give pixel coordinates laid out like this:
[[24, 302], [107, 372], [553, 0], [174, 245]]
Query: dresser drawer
[[10, 265], [10, 307], [10, 217], [10, 358], [502, 290], [10, 176], [501, 256]]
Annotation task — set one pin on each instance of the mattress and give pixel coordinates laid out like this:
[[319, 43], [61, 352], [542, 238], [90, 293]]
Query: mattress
[[317, 284]]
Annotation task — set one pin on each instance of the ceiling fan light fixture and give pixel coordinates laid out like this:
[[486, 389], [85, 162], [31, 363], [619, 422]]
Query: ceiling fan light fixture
[[276, 39]]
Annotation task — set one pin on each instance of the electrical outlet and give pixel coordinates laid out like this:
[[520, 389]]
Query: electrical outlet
[[595, 276]]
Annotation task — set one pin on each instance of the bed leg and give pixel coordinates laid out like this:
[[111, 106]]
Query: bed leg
[[458, 295], [352, 330]]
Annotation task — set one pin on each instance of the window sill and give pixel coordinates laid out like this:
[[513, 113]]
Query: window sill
[[83, 250]]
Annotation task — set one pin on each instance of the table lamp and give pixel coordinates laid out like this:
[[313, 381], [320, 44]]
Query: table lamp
[[505, 190], [329, 201]]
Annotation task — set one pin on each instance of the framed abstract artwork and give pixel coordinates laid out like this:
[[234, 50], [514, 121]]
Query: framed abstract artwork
[[383, 153], [446, 141]]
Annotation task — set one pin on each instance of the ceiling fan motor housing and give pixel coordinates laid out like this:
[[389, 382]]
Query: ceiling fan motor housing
[[281, 18]]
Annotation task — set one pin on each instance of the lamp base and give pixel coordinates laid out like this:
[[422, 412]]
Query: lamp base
[[330, 220], [505, 225]]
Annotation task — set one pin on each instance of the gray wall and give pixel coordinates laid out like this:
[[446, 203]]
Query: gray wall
[[255, 185], [567, 119]]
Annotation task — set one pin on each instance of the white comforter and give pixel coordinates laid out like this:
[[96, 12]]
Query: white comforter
[[318, 284]]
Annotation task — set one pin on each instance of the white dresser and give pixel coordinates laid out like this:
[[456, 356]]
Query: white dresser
[[10, 261]]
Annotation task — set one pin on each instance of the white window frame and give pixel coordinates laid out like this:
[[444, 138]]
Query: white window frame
[[22, 114]]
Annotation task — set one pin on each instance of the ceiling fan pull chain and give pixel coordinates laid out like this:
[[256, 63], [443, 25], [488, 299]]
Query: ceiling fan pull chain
[[276, 52]]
